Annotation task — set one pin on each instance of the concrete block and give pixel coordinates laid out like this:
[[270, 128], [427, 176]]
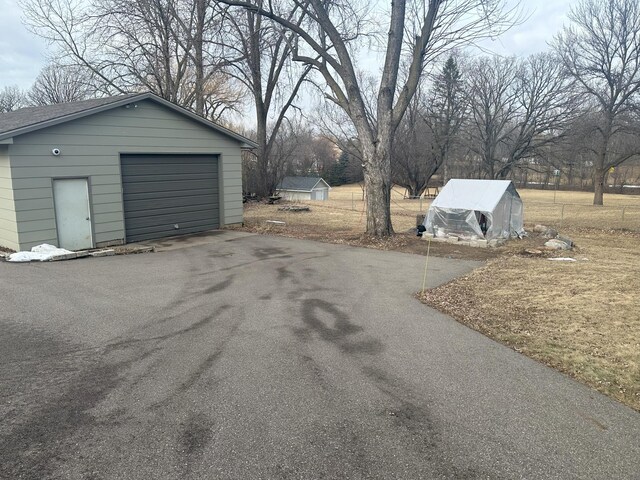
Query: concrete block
[[103, 253], [66, 256], [480, 244], [452, 239], [141, 249], [428, 235]]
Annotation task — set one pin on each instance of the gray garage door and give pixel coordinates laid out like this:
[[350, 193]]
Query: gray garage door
[[167, 195]]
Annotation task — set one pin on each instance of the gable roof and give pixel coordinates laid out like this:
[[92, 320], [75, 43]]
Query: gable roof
[[300, 184], [31, 119], [480, 195]]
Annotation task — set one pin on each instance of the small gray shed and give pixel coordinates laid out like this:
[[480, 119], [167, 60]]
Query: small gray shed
[[304, 188], [113, 170]]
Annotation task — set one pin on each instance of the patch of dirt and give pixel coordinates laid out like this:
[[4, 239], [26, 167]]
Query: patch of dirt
[[532, 245], [399, 242], [131, 249]]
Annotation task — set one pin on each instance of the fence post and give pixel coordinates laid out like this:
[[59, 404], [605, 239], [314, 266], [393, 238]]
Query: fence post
[[353, 205], [623, 213], [561, 216]]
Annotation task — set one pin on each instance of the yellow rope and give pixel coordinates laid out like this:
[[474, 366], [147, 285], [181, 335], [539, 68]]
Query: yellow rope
[[426, 265]]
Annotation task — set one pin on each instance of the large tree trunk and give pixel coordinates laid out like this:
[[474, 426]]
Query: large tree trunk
[[264, 175], [600, 167], [199, 56], [599, 176], [415, 190], [377, 180]]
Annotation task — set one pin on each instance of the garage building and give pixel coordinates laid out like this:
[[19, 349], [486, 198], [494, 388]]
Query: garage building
[[115, 170], [303, 188]]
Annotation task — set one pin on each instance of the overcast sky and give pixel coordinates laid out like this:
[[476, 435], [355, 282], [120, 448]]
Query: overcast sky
[[22, 54]]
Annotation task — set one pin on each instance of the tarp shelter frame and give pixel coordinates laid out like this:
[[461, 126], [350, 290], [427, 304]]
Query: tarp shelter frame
[[488, 209]]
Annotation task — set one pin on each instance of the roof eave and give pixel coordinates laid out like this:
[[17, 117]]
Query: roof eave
[[245, 142], [323, 181], [74, 116]]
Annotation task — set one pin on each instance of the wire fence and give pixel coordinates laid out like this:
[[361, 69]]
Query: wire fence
[[557, 215], [567, 215]]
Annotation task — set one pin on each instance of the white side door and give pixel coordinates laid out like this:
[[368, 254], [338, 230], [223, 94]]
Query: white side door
[[73, 219]]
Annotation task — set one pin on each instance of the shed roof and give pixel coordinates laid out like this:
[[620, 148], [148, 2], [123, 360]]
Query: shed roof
[[30, 119], [300, 184], [480, 195]]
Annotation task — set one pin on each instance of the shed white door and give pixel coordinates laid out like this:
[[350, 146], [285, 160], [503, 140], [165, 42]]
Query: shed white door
[[319, 194], [73, 221]]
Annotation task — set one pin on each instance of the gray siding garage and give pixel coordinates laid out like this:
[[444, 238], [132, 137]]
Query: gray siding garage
[[115, 170]]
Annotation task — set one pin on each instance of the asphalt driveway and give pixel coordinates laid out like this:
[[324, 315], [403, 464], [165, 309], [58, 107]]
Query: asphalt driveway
[[254, 357]]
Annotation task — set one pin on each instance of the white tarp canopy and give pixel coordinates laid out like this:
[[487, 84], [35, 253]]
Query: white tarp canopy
[[476, 208]]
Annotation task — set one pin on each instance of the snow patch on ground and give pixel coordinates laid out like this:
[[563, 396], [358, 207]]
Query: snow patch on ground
[[40, 253]]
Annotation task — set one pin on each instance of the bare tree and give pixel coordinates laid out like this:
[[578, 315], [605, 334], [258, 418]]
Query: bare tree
[[429, 129], [493, 106], [259, 53], [416, 33], [601, 50], [413, 160], [446, 111], [12, 98], [517, 109], [315, 154], [285, 146], [61, 84], [163, 46]]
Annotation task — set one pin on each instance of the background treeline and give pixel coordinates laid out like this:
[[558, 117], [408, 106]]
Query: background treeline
[[566, 118]]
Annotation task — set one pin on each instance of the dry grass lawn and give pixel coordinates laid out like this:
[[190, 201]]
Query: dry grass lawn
[[582, 317]]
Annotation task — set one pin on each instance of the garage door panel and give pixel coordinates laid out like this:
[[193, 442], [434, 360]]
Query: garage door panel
[[168, 169], [172, 219], [170, 186], [168, 159], [168, 210], [162, 177], [162, 191], [156, 231], [211, 192], [174, 215], [149, 202]]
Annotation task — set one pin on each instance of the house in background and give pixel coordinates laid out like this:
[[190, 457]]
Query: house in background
[[115, 170], [303, 188]]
